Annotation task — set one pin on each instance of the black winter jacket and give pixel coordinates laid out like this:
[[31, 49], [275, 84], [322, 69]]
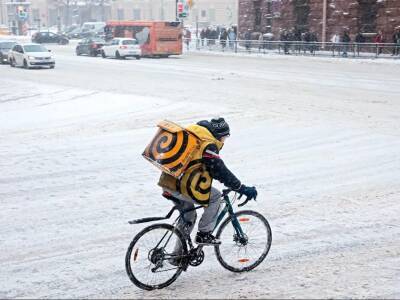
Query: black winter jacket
[[215, 165]]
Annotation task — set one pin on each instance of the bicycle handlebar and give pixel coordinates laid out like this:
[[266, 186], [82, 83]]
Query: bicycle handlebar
[[244, 202], [225, 192]]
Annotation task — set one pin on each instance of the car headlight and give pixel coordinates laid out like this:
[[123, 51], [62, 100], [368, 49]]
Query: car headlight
[[31, 57]]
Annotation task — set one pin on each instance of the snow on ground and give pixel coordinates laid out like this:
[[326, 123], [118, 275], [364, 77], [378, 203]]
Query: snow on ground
[[319, 139]]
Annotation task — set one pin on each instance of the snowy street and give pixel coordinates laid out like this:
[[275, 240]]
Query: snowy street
[[319, 138]]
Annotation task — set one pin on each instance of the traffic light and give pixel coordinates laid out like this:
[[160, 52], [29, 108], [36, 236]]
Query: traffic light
[[180, 7], [21, 11], [181, 12]]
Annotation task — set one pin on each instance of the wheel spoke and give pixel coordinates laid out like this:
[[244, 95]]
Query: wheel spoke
[[236, 257], [141, 271]]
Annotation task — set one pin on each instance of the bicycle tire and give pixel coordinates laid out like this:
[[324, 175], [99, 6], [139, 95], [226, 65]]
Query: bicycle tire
[[132, 269], [227, 238]]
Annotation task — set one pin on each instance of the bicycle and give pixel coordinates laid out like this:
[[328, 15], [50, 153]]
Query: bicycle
[[152, 262]]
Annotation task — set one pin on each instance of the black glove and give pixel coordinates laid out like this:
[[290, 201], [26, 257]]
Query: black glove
[[249, 192]]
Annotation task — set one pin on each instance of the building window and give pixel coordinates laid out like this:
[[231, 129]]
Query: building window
[[368, 16], [301, 12], [203, 13], [194, 13], [269, 7], [269, 16], [211, 14], [136, 13], [258, 16], [270, 11], [120, 14]]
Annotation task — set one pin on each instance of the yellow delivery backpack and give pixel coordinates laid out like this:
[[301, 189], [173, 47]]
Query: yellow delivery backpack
[[178, 151], [172, 148]]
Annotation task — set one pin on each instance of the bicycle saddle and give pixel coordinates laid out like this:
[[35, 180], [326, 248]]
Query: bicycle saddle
[[169, 196]]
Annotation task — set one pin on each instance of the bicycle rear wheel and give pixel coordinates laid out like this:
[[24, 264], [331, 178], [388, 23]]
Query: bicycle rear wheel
[[241, 255], [151, 258]]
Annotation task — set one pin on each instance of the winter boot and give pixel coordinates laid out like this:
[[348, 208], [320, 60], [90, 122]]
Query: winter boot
[[206, 238]]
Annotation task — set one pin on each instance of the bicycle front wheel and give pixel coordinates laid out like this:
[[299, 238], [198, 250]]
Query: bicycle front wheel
[[241, 254], [156, 257]]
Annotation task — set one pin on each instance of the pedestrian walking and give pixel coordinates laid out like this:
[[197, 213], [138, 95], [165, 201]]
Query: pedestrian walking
[[345, 43], [379, 40], [396, 42], [247, 39], [359, 39], [222, 38]]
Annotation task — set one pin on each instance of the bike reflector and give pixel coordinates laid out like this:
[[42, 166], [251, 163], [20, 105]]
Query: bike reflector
[[244, 220], [135, 254], [244, 260]]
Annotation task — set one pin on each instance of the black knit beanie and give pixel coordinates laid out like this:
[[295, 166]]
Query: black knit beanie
[[219, 127]]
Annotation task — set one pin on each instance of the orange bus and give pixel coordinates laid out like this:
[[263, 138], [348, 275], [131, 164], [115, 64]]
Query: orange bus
[[157, 38]]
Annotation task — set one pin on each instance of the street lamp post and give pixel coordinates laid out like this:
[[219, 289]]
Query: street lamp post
[[162, 10], [58, 17], [176, 10], [324, 23], [66, 20], [1, 12], [103, 18]]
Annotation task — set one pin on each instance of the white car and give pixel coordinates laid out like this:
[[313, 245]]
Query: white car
[[30, 55], [121, 48]]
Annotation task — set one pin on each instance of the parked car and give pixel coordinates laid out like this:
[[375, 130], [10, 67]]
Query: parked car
[[79, 34], [30, 55], [93, 27], [49, 37], [88, 34], [122, 48], [70, 29], [74, 34], [90, 46], [5, 47], [88, 30]]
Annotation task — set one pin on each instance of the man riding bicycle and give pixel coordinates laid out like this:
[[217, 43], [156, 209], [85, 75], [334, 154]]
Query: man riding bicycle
[[195, 184]]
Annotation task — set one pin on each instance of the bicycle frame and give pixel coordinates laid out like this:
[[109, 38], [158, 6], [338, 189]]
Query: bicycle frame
[[228, 209]]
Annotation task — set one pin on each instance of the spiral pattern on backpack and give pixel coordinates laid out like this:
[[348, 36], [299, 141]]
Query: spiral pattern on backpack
[[169, 149], [196, 183]]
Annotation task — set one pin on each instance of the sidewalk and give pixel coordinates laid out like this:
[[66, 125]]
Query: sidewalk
[[259, 52]]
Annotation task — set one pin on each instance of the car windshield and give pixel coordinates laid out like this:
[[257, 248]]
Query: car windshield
[[6, 45], [98, 41], [129, 42], [34, 48]]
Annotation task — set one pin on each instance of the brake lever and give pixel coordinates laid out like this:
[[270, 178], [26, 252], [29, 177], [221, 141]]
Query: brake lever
[[243, 203]]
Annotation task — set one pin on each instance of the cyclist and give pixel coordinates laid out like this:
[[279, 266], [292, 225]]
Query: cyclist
[[213, 135]]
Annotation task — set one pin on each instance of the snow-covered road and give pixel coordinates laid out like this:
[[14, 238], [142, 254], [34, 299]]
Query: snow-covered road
[[320, 138]]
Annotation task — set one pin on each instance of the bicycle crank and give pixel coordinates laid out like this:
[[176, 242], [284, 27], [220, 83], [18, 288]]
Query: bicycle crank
[[196, 257]]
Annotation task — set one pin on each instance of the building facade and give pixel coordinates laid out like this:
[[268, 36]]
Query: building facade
[[142, 10], [211, 12], [62, 13], [366, 16], [204, 12]]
